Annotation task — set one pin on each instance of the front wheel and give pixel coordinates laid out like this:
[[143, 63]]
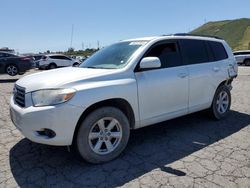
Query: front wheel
[[12, 70], [103, 135], [221, 103], [75, 65]]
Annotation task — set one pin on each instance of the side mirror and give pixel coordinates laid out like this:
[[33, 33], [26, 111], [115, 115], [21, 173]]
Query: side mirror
[[150, 62]]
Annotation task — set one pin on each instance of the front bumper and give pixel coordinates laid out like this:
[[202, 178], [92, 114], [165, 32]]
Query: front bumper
[[62, 119]]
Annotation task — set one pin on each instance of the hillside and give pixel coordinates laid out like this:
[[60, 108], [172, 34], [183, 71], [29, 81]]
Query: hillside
[[235, 32]]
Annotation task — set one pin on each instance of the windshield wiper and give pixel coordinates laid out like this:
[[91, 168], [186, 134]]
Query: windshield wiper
[[91, 67]]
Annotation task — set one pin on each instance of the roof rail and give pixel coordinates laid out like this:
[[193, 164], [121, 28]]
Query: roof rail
[[196, 35]]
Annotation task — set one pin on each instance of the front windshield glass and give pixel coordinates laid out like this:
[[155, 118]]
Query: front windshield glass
[[114, 56]]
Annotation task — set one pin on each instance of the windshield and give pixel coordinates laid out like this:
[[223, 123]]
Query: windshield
[[114, 56]]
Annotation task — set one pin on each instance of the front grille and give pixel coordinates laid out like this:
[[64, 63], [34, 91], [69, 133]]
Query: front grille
[[19, 95]]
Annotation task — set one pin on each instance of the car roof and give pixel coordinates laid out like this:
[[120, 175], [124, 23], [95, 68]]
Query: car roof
[[56, 55], [177, 36], [6, 52]]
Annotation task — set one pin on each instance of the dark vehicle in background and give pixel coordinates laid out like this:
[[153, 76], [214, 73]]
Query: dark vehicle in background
[[13, 64], [242, 57]]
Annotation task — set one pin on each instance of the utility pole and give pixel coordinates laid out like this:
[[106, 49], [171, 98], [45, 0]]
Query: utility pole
[[82, 46], [72, 33], [98, 44]]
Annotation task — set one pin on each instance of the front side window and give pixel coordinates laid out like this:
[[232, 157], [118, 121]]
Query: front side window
[[168, 54], [113, 57]]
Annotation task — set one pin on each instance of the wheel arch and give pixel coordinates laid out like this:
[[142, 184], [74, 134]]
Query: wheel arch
[[226, 83], [53, 63], [119, 103]]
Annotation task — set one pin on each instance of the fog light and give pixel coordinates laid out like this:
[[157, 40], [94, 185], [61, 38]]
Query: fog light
[[47, 132]]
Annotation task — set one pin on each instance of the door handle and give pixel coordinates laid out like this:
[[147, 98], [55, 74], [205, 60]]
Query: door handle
[[183, 75], [216, 69]]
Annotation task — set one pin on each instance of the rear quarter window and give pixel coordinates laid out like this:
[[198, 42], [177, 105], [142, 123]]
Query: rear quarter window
[[218, 50]]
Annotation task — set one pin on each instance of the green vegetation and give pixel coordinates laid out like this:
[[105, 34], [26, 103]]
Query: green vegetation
[[87, 52], [235, 32]]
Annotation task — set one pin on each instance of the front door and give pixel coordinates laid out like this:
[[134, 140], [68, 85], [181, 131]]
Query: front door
[[163, 92]]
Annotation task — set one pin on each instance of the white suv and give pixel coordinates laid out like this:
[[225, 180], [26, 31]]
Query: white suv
[[242, 57], [53, 61], [128, 85]]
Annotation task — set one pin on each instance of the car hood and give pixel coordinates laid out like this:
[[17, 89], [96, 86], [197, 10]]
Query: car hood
[[58, 77]]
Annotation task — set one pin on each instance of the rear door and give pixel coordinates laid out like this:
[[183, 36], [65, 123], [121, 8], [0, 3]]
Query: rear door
[[203, 72], [163, 92]]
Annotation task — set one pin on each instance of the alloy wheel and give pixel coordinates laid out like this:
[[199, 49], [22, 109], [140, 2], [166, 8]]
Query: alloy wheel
[[12, 70], [222, 102], [105, 135]]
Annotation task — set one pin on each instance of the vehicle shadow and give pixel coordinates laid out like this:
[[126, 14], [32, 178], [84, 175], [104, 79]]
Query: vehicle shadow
[[149, 148], [2, 81]]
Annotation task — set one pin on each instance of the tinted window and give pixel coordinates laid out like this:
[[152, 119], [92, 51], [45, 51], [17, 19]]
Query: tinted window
[[64, 57], [194, 51], [218, 50], [58, 57], [168, 54]]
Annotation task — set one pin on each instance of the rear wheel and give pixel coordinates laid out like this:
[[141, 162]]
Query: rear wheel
[[247, 62], [12, 70], [103, 135], [221, 103], [52, 66]]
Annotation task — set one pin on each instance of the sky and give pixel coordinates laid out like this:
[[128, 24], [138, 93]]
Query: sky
[[41, 25]]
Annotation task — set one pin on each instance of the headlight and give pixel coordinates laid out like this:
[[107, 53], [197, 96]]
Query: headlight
[[49, 97]]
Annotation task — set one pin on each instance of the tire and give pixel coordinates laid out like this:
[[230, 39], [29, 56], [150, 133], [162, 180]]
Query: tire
[[221, 103], [76, 64], [247, 62], [93, 142], [12, 70], [52, 66]]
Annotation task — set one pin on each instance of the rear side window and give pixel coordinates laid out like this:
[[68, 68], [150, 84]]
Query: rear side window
[[168, 54], [218, 50], [194, 51], [59, 57]]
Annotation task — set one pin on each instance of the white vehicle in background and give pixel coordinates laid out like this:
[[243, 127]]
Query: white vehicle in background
[[53, 61], [127, 85], [242, 57]]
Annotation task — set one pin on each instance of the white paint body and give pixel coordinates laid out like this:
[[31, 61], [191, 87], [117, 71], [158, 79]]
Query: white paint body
[[154, 96], [64, 61]]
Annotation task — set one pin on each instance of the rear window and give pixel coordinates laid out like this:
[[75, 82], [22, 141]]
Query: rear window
[[194, 51], [218, 50]]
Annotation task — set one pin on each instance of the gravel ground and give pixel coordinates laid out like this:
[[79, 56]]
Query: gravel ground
[[192, 151]]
